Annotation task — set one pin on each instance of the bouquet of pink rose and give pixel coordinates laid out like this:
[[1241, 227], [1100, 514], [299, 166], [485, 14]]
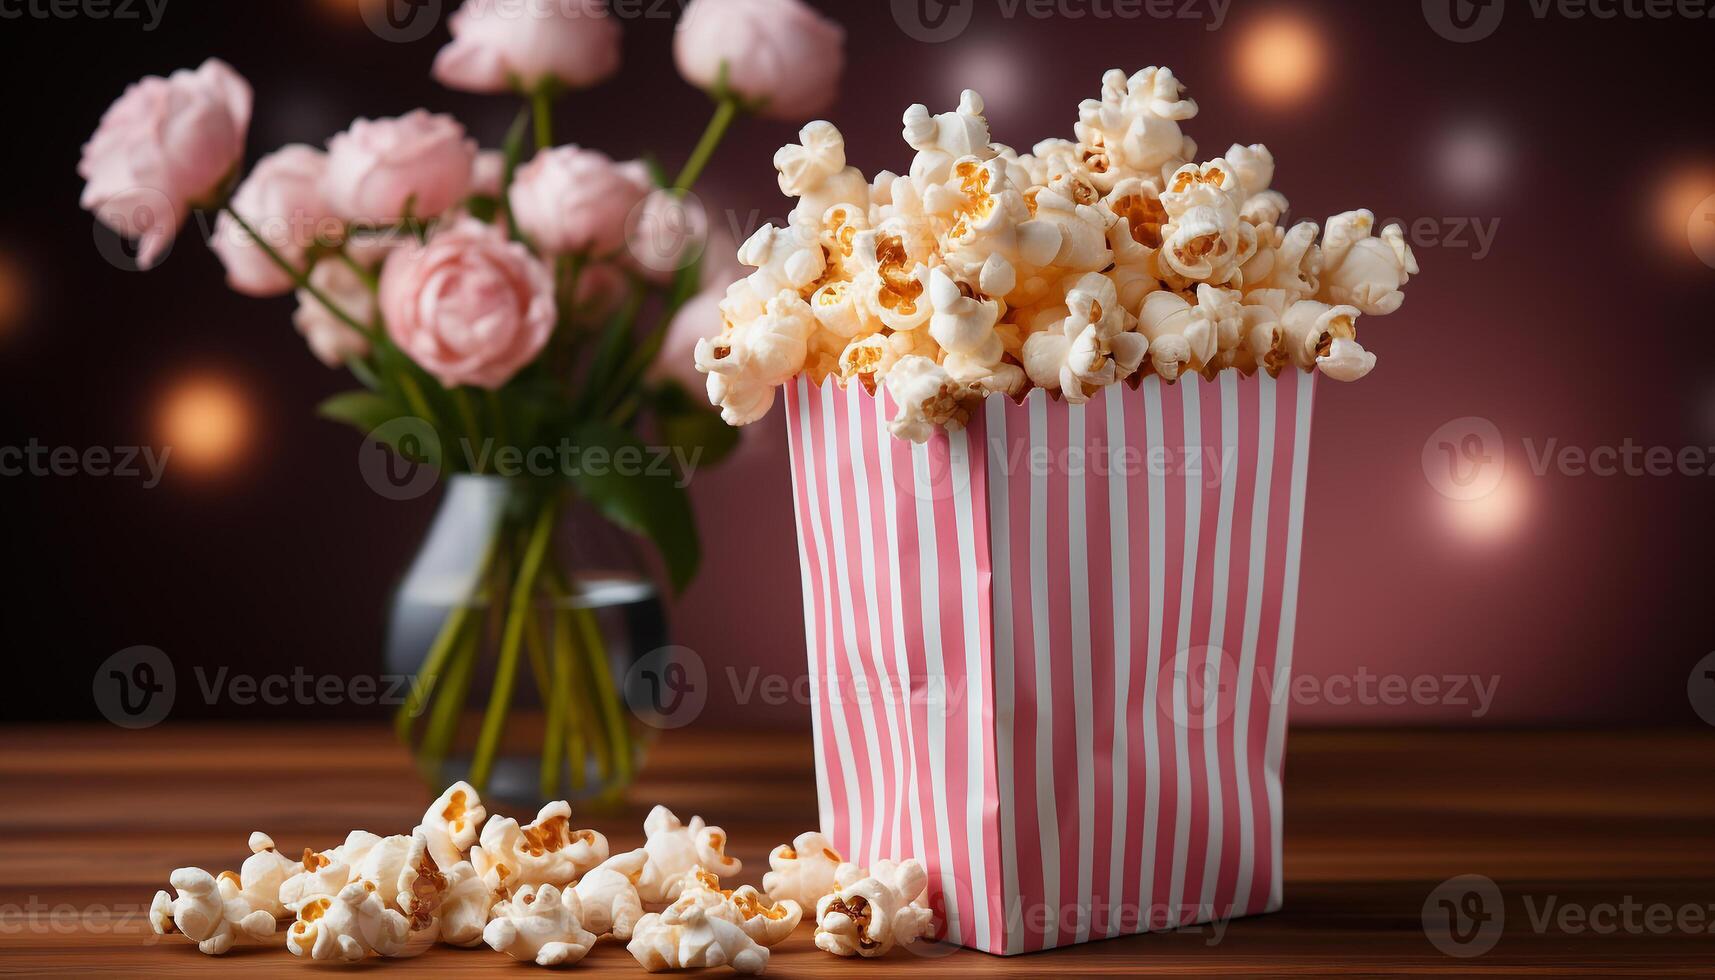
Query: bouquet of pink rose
[[498, 298]]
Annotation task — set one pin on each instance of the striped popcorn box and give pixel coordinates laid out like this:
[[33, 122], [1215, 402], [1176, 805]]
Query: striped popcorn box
[[1049, 653]]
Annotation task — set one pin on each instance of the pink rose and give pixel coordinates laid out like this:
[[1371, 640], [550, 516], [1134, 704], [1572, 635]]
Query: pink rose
[[282, 201], [570, 200], [779, 55], [331, 339], [699, 318], [518, 45], [470, 306], [378, 166], [167, 145]]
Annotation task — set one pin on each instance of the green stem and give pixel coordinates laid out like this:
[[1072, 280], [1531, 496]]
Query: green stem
[[619, 741], [448, 709], [300, 279], [506, 671], [467, 414], [542, 109], [414, 396], [567, 655], [367, 276], [451, 631], [726, 111], [498, 410]]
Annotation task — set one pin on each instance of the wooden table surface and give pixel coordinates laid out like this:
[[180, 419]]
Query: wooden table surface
[[1616, 827]]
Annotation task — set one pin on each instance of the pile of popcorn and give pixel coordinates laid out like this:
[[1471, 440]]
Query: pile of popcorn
[[544, 893], [983, 271]]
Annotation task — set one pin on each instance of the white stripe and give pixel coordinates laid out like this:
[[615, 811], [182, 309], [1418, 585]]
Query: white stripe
[[853, 691], [1046, 819], [1005, 717], [1192, 413], [887, 783], [1257, 565], [854, 812], [1152, 671], [974, 699], [935, 684], [1288, 625], [824, 796], [1218, 636], [1122, 542], [902, 660], [1078, 560]]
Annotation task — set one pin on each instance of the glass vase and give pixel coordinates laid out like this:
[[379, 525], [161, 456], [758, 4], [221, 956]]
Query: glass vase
[[520, 618]]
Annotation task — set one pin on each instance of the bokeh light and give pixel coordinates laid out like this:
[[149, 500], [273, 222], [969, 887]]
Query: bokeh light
[[1282, 58], [14, 295], [1493, 518], [1678, 198], [1472, 158], [991, 68], [207, 422]]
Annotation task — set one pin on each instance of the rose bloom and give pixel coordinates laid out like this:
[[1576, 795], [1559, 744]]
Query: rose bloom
[[378, 166], [167, 145], [471, 306], [331, 339], [518, 45], [282, 201], [570, 200], [780, 55]]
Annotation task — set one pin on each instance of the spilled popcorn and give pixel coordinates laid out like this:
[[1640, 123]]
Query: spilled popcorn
[[1080, 265], [545, 894]]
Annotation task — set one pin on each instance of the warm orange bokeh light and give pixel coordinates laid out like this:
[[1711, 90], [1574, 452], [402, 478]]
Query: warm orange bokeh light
[[1491, 518], [1281, 59], [1679, 198], [14, 295], [206, 421]]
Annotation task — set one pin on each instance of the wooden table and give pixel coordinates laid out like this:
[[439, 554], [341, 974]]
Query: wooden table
[[94, 820]]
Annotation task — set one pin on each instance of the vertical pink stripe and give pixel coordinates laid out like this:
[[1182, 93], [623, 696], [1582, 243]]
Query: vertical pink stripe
[[1102, 457], [1020, 444], [980, 692], [807, 466], [1243, 476], [1063, 784], [882, 649], [1172, 658], [1279, 509], [1141, 716], [956, 688], [860, 697], [1201, 695]]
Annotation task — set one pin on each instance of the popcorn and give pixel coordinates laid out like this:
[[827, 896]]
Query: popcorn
[[1361, 270], [981, 271], [870, 912], [803, 870], [689, 936], [675, 848], [541, 924], [609, 895], [348, 926], [451, 824], [449, 906], [324, 873], [766, 923], [547, 852], [382, 865], [210, 912]]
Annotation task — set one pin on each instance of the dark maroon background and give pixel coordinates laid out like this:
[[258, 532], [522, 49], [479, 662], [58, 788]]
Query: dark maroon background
[[1587, 323]]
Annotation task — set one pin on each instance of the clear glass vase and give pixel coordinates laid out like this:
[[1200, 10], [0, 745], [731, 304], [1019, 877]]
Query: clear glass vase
[[520, 618]]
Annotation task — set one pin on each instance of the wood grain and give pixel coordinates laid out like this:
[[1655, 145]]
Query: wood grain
[[96, 819]]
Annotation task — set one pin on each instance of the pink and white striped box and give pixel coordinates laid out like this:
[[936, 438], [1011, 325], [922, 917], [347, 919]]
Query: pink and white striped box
[[1049, 653]]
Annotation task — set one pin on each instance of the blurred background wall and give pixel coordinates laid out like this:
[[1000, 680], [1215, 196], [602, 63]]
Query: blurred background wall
[[1549, 173]]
